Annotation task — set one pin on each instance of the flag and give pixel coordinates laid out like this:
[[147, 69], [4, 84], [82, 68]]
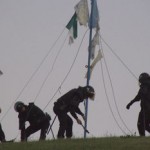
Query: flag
[[72, 27], [82, 12], [94, 42], [1, 72], [94, 17], [98, 58]]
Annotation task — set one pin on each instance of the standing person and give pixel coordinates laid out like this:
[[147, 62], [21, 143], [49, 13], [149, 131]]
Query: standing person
[[144, 97], [70, 103], [2, 135], [37, 119]]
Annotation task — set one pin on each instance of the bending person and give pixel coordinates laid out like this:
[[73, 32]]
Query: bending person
[[70, 103]]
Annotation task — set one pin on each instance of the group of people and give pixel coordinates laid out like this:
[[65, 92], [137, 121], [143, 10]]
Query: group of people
[[69, 103], [38, 120]]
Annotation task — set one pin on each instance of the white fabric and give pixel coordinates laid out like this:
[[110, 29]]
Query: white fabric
[[71, 39], [82, 12], [98, 58], [95, 41]]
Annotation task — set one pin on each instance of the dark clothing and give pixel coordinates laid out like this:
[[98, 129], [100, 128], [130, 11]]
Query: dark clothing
[[144, 116], [2, 135], [37, 119], [143, 123], [68, 103]]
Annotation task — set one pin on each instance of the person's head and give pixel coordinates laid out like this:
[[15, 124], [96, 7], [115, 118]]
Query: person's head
[[90, 92], [19, 106], [143, 77]]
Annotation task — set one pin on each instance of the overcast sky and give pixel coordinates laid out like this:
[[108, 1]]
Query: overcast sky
[[28, 30]]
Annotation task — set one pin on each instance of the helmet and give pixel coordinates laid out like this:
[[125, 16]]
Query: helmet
[[143, 76], [18, 106], [90, 92]]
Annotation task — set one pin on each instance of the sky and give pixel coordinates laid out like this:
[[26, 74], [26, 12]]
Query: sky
[[28, 31]]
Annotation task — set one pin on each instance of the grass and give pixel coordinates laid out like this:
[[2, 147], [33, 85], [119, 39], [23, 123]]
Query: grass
[[107, 143]]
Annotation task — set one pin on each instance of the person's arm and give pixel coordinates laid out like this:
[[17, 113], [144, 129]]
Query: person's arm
[[137, 98], [22, 128], [23, 134], [75, 109], [74, 106], [76, 117]]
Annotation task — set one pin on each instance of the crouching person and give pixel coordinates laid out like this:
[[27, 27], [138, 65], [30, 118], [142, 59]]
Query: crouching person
[[38, 120]]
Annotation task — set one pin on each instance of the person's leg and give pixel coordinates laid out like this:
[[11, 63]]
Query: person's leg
[[30, 130], [2, 135], [141, 124], [44, 128], [69, 127], [62, 124], [147, 122]]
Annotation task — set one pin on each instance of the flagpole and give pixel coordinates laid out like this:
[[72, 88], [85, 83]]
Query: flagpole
[[88, 73]]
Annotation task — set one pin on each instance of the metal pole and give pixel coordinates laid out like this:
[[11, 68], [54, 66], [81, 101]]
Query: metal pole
[[88, 74]]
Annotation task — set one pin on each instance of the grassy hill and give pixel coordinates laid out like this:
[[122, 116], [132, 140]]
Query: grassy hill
[[108, 143]]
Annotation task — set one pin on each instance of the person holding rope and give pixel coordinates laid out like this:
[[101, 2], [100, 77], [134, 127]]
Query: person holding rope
[[37, 119], [2, 135], [143, 95], [69, 102]]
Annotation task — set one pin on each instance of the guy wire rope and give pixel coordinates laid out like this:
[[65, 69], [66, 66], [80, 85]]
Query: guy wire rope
[[33, 74], [129, 70], [119, 59], [68, 71], [47, 76], [114, 97], [65, 76], [108, 101]]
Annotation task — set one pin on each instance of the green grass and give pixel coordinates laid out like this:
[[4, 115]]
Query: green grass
[[108, 143]]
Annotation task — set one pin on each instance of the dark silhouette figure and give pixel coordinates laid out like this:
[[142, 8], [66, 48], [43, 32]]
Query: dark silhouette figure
[[69, 102], [143, 96], [37, 119], [2, 135]]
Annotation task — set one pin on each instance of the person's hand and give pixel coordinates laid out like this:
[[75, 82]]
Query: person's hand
[[79, 121], [128, 106]]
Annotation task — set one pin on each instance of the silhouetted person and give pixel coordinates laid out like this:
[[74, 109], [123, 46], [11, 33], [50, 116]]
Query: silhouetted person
[[69, 102], [2, 135], [37, 119], [144, 97]]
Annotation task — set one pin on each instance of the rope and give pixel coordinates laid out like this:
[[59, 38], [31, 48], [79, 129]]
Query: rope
[[114, 97], [119, 59], [108, 100], [34, 73], [51, 69], [67, 73]]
